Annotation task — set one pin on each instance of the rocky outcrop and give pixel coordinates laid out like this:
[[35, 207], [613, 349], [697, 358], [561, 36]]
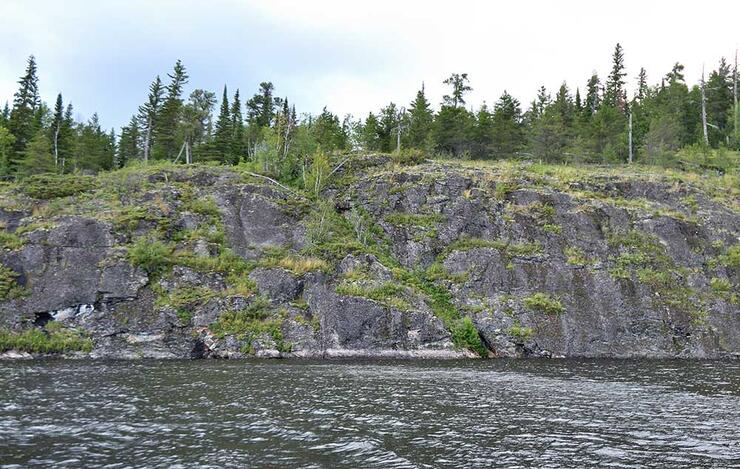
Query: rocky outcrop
[[435, 260]]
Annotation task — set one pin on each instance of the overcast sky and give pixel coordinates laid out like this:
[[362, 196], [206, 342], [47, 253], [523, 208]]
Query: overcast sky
[[351, 56]]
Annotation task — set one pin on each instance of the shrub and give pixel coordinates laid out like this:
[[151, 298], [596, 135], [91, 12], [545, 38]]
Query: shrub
[[519, 333], [720, 285], [542, 302], [10, 241], [465, 335], [9, 288], [53, 339], [51, 186], [151, 255], [408, 157]]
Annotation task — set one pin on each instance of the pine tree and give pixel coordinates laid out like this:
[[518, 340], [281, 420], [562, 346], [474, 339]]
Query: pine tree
[[168, 140], [614, 94], [421, 120], [148, 116], [459, 84], [642, 86], [260, 107], [237, 130], [224, 132], [23, 119], [5, 115], [593, 97], [508, 131], [720, 103], [128, 145], [37, 157], [369, 133]]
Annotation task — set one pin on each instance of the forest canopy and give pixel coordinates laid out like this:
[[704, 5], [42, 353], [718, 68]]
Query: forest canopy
[[665, 122]]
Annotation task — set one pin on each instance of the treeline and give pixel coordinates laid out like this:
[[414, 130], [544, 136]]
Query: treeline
[[666, 123]]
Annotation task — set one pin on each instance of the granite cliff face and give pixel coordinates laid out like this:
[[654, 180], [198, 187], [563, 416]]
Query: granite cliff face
[[428, 260]]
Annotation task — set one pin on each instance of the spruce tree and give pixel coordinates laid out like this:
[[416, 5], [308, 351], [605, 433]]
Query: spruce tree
[[237, 130], [23, 117], [168, 140], [508, 131], [37, 156], [148, 116], [642, 85], [5, 115], [422, 118], [593, 96], [614, 94], [224, 132], [128, 144]]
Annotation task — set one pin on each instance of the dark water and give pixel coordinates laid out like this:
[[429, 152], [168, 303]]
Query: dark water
[[370, 414]]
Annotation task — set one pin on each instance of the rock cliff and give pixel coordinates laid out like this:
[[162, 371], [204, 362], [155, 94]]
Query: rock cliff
[[436, 259]]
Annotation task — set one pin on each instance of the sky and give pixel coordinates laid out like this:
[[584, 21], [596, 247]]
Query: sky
[[351, 56]]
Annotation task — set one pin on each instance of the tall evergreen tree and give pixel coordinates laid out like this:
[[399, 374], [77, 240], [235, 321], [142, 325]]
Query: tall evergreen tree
[[593, 95], [614, 94], [642, 85], [260, 107], [168, 139], [23, 122], [508, 131], [459, 84], [37, 158], [128, 144], [237, 129], [224, 131], [421, 120], [5, 115], [148, 116]]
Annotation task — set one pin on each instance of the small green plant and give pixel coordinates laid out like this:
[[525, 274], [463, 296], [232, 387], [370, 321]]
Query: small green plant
[[52, 339], [544, 303], [10, 241], [575, 256], [720, 285], [9, 288], [552, 228], [50, 186], [153, 256], [414, 219], [519, 333]]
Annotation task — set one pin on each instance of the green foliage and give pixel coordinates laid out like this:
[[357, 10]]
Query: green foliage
[[316, 178], [720, 285], [250, 324], [519, 333], [152, 255], [465, 335], [415, 220], [10, 241], [388, 293], [543, 303], [9, 288], [50, 186], [575, 256], [53, 339]]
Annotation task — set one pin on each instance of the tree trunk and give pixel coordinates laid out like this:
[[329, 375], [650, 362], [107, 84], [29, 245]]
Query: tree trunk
[[704, 109], [630, 138]]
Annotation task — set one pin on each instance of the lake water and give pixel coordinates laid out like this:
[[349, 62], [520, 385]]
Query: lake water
[[570, 413]]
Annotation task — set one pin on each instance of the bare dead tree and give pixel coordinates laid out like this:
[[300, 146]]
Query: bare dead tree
[[704, 108]]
